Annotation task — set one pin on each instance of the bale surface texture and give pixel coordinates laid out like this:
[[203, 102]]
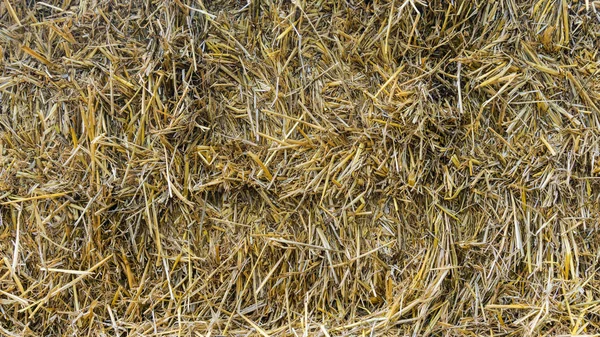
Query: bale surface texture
[[299, 168]]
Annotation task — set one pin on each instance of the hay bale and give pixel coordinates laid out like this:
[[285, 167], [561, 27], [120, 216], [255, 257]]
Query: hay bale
[[278, 168]]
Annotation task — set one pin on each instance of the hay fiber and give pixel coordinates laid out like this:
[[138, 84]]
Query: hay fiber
[[299, 168]]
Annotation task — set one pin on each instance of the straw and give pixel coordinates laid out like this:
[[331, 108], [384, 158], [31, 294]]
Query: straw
[[299, 168]]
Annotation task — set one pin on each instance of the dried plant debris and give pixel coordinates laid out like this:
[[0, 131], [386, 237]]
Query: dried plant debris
[[299, 168]]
